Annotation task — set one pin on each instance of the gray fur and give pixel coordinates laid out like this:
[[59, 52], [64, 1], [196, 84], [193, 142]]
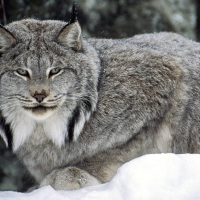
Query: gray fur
[[111, 101]]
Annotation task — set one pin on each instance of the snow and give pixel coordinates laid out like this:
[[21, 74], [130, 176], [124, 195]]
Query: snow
[[150, 177]]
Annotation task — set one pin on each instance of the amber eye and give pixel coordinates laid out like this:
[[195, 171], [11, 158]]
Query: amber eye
[[23, 72], [54, 71]]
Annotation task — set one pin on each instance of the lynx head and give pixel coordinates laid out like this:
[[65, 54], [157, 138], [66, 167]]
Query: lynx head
[[48, 79]]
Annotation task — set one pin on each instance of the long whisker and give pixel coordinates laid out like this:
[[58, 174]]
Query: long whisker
[[12, 106]]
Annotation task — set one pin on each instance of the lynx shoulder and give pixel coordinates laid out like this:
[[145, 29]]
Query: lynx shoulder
[[75, 109]]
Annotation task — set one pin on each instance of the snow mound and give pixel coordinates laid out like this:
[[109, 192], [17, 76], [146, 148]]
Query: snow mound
[[150, 177]]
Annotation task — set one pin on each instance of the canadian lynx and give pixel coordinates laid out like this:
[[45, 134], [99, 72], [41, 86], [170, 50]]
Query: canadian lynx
[[74, 109]]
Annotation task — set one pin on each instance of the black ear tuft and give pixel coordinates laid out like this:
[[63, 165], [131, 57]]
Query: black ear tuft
[[74, 13], [70, 34]]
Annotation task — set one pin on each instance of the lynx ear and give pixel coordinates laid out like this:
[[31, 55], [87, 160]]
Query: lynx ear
[[70, 35], [6, 39]]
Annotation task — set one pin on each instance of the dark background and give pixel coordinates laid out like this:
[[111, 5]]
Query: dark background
[[102, 19]]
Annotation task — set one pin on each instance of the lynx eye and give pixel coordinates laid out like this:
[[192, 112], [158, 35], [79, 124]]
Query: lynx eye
[[54, 71], [22, 72]]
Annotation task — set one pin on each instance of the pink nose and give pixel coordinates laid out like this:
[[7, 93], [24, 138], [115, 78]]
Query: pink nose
[[40, 96]]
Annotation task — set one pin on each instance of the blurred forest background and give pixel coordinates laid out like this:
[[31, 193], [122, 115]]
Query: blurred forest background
[[102, 19]]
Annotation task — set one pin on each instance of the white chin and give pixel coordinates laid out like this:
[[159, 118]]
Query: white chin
[[40, 115]]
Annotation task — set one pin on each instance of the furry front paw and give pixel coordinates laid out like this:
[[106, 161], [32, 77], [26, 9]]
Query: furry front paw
[[69, 178]]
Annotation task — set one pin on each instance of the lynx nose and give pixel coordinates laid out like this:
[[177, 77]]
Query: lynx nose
[[40, 96]]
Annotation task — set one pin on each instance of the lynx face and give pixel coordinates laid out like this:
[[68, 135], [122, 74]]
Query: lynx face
[[46, 78], [33, 84], [40, 84]]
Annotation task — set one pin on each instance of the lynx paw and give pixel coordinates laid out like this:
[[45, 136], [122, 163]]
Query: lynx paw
[[69, 179]]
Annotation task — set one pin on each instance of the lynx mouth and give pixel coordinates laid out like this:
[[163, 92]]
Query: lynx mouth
[[39, 110]]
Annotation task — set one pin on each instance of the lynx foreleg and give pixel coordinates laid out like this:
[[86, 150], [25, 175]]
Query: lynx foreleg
[[69, 178]]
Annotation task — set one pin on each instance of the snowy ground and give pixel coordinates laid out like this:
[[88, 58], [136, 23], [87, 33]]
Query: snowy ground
[[150, 177]]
